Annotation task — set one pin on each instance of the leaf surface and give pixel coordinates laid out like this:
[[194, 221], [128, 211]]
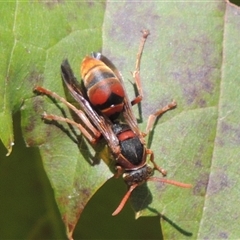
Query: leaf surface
[[192, 56], [45, 34]]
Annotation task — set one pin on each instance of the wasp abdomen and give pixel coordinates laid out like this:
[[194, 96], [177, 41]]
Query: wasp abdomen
[[104, 89]]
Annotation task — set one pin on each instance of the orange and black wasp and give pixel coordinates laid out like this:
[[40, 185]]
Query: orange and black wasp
[[103, 99]]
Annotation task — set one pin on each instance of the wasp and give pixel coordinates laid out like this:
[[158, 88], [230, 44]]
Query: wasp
[[102, 99]]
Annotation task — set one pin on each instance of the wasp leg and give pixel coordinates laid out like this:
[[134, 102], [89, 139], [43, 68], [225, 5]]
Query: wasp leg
[[51, 117], [161, 170], [153, 117], [124, 200], [119, 171], [136, 73], [91, 137]]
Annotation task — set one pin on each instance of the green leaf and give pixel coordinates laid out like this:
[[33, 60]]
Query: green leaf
[[39, 37], [192, 56], [31, 35]]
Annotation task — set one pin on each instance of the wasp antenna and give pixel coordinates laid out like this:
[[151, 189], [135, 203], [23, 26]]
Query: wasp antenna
[[172, 182], [124, 200]]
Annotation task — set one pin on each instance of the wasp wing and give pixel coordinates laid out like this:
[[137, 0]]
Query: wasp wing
[[100, 122]]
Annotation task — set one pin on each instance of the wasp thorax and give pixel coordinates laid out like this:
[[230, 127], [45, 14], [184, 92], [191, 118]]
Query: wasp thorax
[[138, 176]]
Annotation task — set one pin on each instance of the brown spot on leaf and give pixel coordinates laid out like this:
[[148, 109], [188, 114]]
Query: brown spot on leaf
[[201, 185], [223, 235], [195, 83], [130, 22], [218, 182], [52, 3], [229, 134], [35, 78]]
